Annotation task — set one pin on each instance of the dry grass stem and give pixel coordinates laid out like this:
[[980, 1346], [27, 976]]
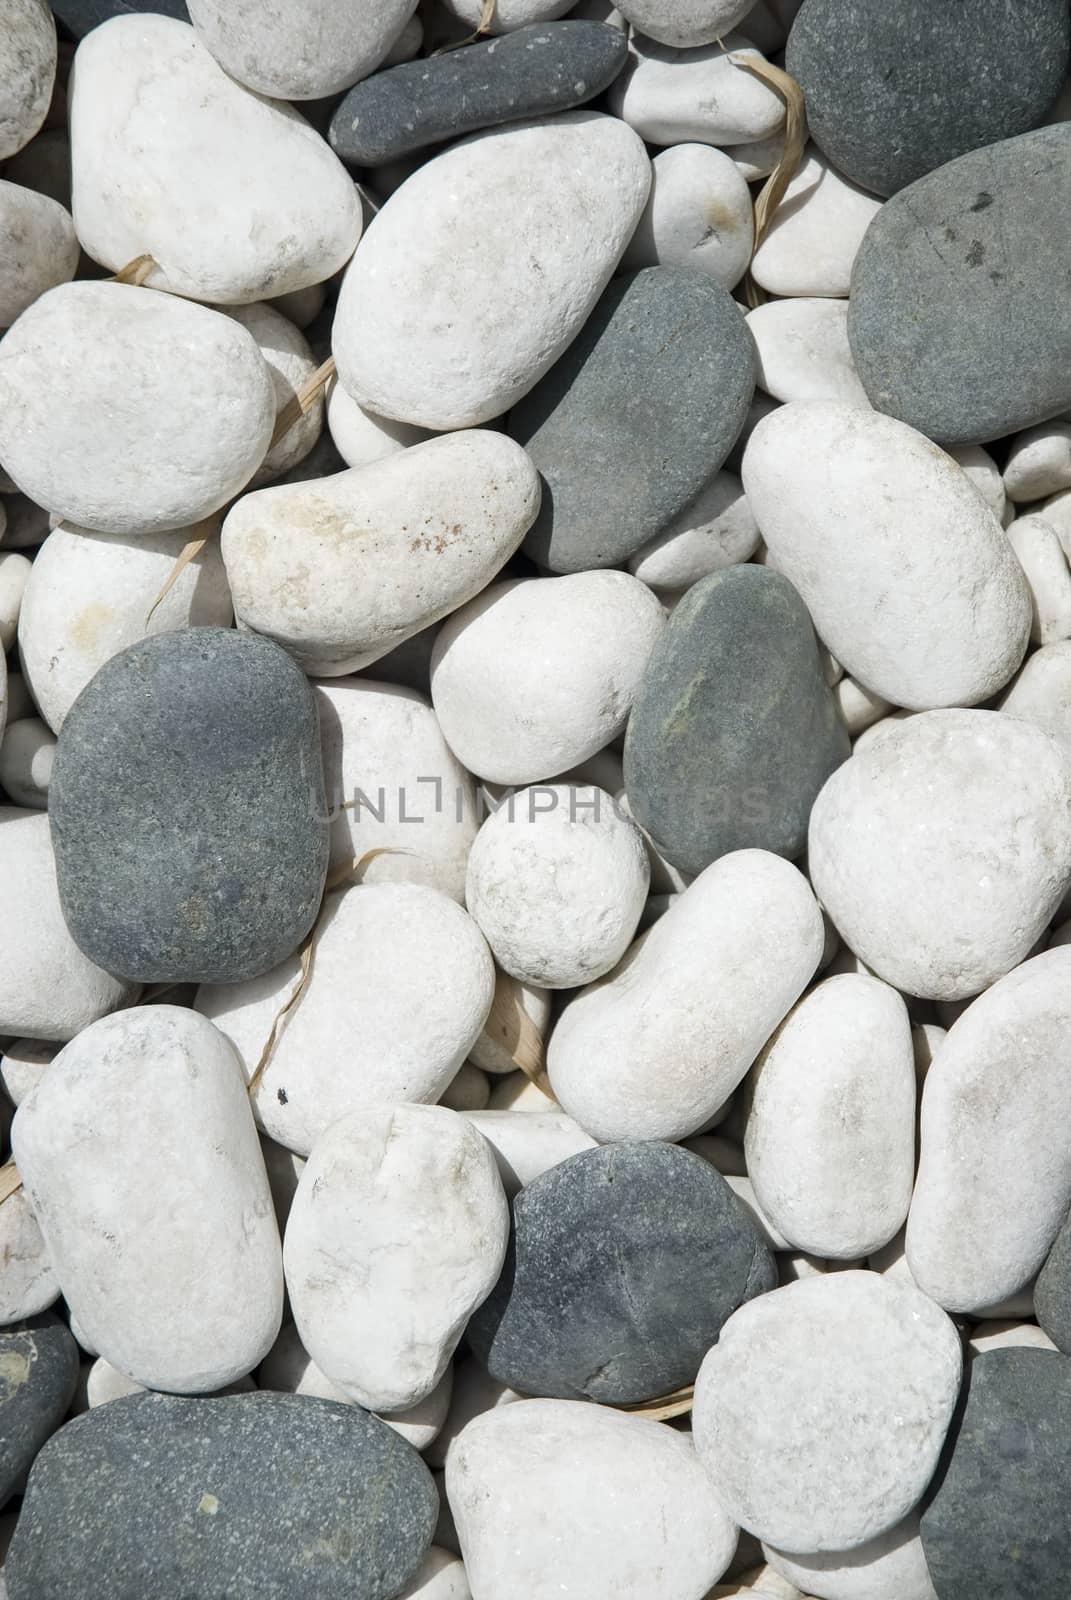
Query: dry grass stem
[[9, 1181], [773, 190], [510, 1026]]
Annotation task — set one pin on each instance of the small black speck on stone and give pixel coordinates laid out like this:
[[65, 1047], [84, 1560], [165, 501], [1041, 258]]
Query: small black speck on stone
[[38, 1373]]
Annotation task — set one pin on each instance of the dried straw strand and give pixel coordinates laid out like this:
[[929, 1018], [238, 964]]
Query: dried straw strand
[[9, 1181], [136, 271], [510, 1026], [487, 16], [677, 1404], [773, 190]]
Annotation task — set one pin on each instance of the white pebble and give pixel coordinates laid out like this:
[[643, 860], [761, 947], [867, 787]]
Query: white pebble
[[717, 530], [1041, 691], [699, 214], [360, 436], [528, 1145], [1042, 559], [289, 362], [299, 49], [47, 252], [26, 757], [441, 1577], [105, 1382], [859, 708], [507, 14], [890, 1567], [14, 573], [474, 1392], [519, 1011], [816, 232], [27, 70], [1039, 463], [28, 1282], [468, 1090], [682, 96], [804, 352], [757, 159], [22, 1066], [685, 23]]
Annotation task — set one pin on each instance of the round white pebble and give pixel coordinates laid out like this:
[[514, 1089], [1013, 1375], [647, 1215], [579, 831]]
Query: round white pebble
[[804, 352], [299, 49], [699, 214]]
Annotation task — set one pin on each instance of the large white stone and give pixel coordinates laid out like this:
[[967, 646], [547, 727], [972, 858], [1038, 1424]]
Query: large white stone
[[48, 988], [27, 70], [397, 1233], [28, 1282], [530, 1144], [556, 1497], [821, 1411], [716, 530], [1006, 1334], [699, 214], [41, 252], [339, 570], [104, 1383], [129, 412], [141, 1160], [234, 196], [1041, 556], [804, 352], [399, 988], [88, 597], [830, 1137], [463, 293], [942, 851], [994, 1180], [908, 576], [701, 96], [1041, 691], [537, 674], [653, 1050], [816, 232], [299, 49], [685, 23], [890, 1567], [290, 362]]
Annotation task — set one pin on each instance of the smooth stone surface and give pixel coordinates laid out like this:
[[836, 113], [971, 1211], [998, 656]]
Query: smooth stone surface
[[40, 248], [998, 1334], [96, 1148], [207, 864], [804, 352], [551, 1462], [982, 1219], [945, 910], [685, 23], [1052, 1292], [924, 82], [716, 530], [996, 1525], [15, 571], [821, 1412], [623, 1264], [984, 473], [1037, 545], [468, 1090], [631, 422], [170, 1497], [655, 1049], [816, 232], [444, 319], [284, 211], [299, 49], [535, 675], [529, 72], [28, 1283], [27, 71], [963, 262], [890, 1567], [38, 1372], [734, 730], [74, 442], [526, 1146], [908, 576], [290, 364], [361, 437], [508, 14], [105, 1383], [342, 569], [26, 758], [397, 1233], [1039, 463], [701, 96], [699, 214]]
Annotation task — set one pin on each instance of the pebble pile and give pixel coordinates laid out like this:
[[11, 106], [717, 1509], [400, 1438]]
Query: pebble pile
[[535, 800]]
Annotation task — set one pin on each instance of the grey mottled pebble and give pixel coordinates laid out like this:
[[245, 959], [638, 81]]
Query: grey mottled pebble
[[38, 1372], [1052, 1291]]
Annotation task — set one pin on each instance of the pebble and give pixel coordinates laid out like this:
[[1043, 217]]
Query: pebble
[[468, 1090], [1041, 557], [1039, 463], [527, 1146], [672, 96], [984, 473], [890, 1567], [535, 675], [72, 441], [816, 232], [441, 1577], [830, 1134], [26, 757], [15, 569], [859, 708], [660, 1533], [341, 569], [38, 1372], [656, 1048], [734, 730], [293, 214], [992, 1528], [299, 49], [629, 425], [393, 1036], [821, 1412], [382, 1320], [104, 1383], [186, 1497], [445, 323], [1052, 1292], [290, 363], [28, 1283], [624, 1263], [924, 321], [945, 910], [1004, 1335], [917, 592], [360, 436], [685, 23], [529, 72], [715, 530], [79, 16], [41, 248], [168, 878], [804, 352], [27, 71], [698, 214], [507, 15], [97, 1154], [925, 82], [495, 1050]]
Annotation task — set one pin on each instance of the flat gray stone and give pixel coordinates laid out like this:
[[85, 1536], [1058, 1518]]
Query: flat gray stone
[[734, 729], [960, 310], [636, 416], [38, 1372], [187, 809], [1052, 1291]]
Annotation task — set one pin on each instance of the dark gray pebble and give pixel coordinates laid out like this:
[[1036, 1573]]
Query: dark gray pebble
[[38, 1372]]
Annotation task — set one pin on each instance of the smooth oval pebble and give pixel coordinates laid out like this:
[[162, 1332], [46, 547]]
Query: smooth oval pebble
[[38, 1373], [623, 1264], [75, 442], [139, 84], [445, 321], [944, 910], [592, 1493], [804, 352], [45, 249], [26, 757], [642, 409], [734, 729], [924, 320], [205, 1507], [1037, 545], [27, 70], [168, 877], [342, 569], [397, 1233], [821, 1412], [290, 365], [535, 675], [508, 14], [698, 214], [359, 436], [983, 1219], [816, 232], [1039, 463], [685, 23], [96, 1151], [908, 576], [528, 1145], [890, 1567], [654, 1049], [299, 49], [673, 96], [716, 530]]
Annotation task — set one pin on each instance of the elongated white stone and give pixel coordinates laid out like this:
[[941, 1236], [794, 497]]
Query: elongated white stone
[[685, 23], [1037, 545], [299, 49], [716, 530], [1039, 462], [290, 363], [527, 1145], [671, 96], [1041, 691], [360, 436]]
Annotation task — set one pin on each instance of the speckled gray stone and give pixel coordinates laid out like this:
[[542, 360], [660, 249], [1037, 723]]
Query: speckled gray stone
[[1052, 1291], [641, 410], [960, 310], [38, 1372], [894, 91], [997, 1526], [253, 1497], [734, 729], [187, 809], [550, 66], [624, 1262]]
